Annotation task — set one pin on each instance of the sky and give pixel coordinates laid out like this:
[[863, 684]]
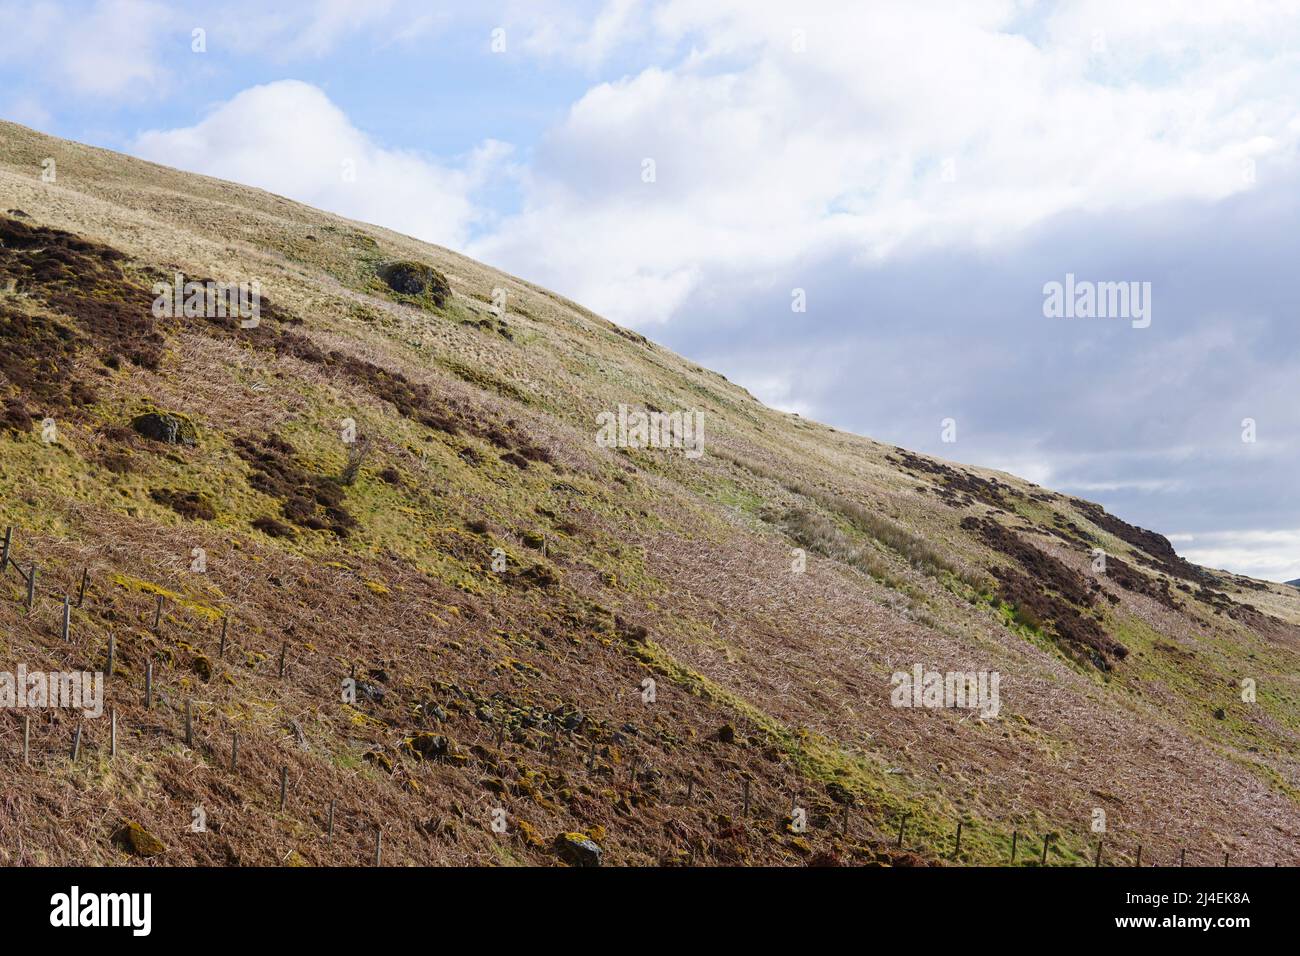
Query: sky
[[855, 210]]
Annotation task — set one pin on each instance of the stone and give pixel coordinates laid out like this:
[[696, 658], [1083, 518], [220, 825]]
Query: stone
[[577, 849], [167, 427], [417, 279], [138, 841]]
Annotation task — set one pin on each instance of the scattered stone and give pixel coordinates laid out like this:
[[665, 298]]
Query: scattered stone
[[167, 427], [577, 850], [726, 734], [1220, 714], [417, 279], [428, 746], [202, 667], [138, 841]]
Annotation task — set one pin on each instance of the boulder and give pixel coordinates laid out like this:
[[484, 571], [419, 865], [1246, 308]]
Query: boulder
[[167, 427], [577, 849], [138, 841], [416, 279]]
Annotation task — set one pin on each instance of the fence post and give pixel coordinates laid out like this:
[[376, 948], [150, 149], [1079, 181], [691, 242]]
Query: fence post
[[31, 587], [957, 850], [148, 684], [1225, 859], [85, 580], [902, 825], [379, 845], [1138, 861], [4, 556], [1097, 861], [1182, 857], [1015, 835], [189, 722], [157, 614], [27, 738], [112, 719], [67, 618], [1046, 839], [76, 742], [112, 649]]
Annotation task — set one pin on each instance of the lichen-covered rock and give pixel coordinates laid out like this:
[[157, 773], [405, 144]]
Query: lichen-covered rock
[[138, 841], [170, 428], [577, 849], [416, 279], [428, 746]]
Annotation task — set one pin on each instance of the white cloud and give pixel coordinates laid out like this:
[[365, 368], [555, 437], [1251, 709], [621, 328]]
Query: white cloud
[[765, 155], [288, 138], [1272, 555], [110, 49]]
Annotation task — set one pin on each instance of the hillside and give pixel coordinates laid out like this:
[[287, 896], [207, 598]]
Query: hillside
[[403, 487]]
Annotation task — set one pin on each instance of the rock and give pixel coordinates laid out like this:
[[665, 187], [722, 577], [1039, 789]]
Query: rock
[[138, 841], [577, 850], [727, 734], [202, 667], [416, 279], [167, 427], [371, 692], [1220, 714], [428, 746]]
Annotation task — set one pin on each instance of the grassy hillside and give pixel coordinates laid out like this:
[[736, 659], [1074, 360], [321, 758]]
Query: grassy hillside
[[398, 492]]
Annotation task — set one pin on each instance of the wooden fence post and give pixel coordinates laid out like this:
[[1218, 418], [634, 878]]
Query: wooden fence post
[[67, 617], [1138, 861], [157, 614], [1015, 835], [85, 580], [1097, 861], [76, 742], [112, 719], [112, 650], [379, 845], [4, 556], [957, 850], [189, 722], [1046, 840], [1182, 857], [284, 649], [148, 684], [27, 738], [31, 587]]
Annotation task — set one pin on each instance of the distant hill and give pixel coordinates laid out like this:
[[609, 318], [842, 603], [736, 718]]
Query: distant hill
[[454, 611]]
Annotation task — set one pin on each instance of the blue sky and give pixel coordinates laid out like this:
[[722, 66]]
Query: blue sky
[[919, 170]]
